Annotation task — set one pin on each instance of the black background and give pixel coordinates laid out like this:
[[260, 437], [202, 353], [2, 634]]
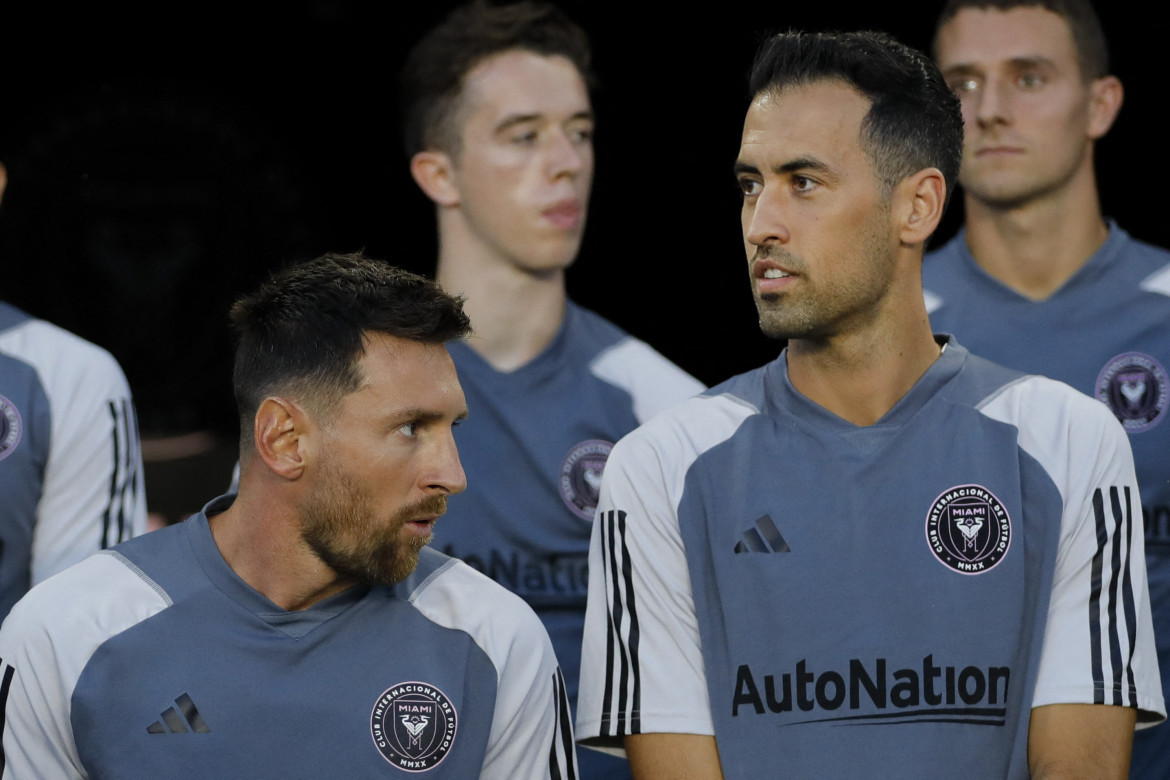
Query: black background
[[163, 158]]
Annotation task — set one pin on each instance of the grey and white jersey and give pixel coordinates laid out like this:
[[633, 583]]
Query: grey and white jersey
[[829, 598], [70, 461], [155, 659]]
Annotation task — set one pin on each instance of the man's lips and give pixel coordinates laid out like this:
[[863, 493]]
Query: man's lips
[[565, 214], [770, 277], [421, 526], [998, 150]]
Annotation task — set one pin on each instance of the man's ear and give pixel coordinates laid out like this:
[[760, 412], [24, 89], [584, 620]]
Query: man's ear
[[434, 173], [1105, 98], [3, 180], [279, 432], [919, 200]]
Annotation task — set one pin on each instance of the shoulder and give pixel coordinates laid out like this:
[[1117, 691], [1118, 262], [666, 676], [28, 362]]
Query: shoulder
[[68, 616], [63, 360], [453, 595], [1151, 266], [1030, 399], [1070, 434], [670, 443], [630, 364]]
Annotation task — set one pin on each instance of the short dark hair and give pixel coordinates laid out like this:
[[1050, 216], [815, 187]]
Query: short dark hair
[[914, 120], [1087, 33], [431, 82], [303, 332]]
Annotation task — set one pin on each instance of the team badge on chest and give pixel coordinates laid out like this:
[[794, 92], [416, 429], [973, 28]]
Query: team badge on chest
[[968, 529], [413, 726], [1134, 386], [11, 427], [580, 479]]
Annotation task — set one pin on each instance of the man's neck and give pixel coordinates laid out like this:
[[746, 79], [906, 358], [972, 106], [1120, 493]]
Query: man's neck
[[861, 376], [263, 546], [514, 313], [1035, 248]]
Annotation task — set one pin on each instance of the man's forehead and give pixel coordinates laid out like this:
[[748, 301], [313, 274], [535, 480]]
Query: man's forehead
[[523, 82], [986, 37], [806, 117]]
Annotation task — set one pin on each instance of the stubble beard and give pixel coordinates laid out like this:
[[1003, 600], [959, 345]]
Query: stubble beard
[[813, 314], [339, 526], [1015, 186]]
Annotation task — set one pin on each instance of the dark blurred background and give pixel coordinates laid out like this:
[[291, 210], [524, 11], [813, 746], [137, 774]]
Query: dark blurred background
[[162, 159]]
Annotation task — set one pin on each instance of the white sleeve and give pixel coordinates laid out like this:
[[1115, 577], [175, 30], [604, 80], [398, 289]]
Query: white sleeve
[[641, 661], [532, 733], [93, 493], [653, 382], [1099, 638], [45, 643]]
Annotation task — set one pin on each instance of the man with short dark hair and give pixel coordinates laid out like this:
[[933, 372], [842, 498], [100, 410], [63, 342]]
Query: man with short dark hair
[[1037, 279], [301, 628], [878, 554], [499, 126]]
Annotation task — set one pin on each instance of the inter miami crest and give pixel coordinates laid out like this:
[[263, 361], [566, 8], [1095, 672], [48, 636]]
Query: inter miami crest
[[1134, 386], [413, 726], [11, 427], [968, 529], [580, 479]]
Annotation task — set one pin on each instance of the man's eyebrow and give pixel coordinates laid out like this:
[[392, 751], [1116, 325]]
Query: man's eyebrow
[[510, 121], [803, 164], [792, 166], [421, 415], [1031, 62], [961, 69], [1016, 63]]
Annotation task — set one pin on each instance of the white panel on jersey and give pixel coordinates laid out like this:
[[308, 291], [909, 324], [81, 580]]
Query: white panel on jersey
[[93, 601], [1158, 282], [652, 381], [1082, 448], [931, 300]]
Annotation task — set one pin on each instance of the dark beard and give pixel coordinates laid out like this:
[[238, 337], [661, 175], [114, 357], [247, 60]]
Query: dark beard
[[338, 527]]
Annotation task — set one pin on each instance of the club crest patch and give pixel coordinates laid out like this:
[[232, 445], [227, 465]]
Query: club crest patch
[[1134, 387], [413, 726], [580, 480], [11, 427], [968, 529]]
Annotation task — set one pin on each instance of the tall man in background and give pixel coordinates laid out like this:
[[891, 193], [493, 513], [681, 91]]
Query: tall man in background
[[1038, 280], [70, 460], [499, 127], [879, 554]]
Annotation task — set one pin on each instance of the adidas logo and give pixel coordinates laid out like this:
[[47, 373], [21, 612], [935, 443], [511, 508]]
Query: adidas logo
[[172, 722], [764, 538]]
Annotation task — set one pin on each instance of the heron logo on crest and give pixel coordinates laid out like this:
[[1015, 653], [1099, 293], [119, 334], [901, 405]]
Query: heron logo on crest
[[580, 478], [1134, 387], [413, 726], [11, 427], [968, 529]]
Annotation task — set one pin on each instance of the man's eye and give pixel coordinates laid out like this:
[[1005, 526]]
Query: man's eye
[[749, 186], [803, 183], [525, 139], [408, 429], [963, 86], [1030, 80]]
